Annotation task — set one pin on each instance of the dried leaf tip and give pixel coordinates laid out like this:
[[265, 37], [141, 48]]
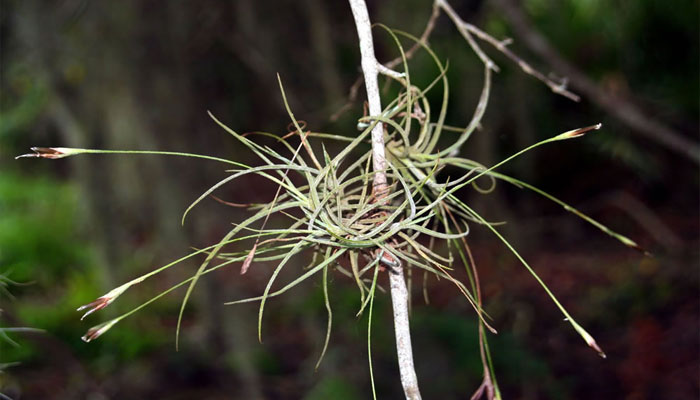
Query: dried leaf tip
[[578, 132], [51, 152], [632, 244], [97, 331], [597, 348], [248, 260], [103, 301], [96, 305], [589, 339]]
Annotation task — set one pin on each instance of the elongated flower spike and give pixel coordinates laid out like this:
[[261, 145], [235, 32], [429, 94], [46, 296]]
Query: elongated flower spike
[[51, 152]]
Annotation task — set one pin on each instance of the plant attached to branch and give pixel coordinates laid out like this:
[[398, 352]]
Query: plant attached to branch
[[338, 213]]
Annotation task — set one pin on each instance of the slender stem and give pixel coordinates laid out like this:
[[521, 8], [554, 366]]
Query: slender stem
[[399, 294]]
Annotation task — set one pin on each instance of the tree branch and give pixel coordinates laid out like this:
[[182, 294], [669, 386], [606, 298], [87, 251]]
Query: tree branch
[[467, 29], [399, 294], [370, 71], [620, 108]]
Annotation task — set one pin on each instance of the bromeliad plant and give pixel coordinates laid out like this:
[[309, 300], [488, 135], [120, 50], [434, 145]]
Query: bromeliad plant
[[337, 214]]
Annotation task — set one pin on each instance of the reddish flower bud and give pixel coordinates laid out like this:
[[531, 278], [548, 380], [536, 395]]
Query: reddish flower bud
[[51, 152], [105, 300], [578, 132], [97, 331], [96, 305]]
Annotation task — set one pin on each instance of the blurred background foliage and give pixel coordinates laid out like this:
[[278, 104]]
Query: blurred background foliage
[[141, 75]]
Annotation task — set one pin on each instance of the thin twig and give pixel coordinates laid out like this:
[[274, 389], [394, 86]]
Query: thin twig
[[467, 29], [462, 27], [389, 72], [501, 45], [352, 95], [620, 108], [423, 38], [399, 294]]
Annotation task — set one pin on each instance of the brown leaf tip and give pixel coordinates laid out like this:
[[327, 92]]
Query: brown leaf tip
[[96, 305], [642, 250], [248, 260], [48, 152], [92, 334], [581, 131], [97, 331], [597, 348]]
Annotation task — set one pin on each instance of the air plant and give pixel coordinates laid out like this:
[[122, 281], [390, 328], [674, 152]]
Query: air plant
[[337, 214]]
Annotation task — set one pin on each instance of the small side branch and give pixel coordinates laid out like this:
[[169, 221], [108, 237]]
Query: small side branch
[[423, 40], [621, 108], [469, 31]]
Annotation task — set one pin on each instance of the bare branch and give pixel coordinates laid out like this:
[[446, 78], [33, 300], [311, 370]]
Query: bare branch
[[462, 27], [467, 29], [423, 38], [399, 294], [370, 70], [622, 109], [404, 349], [352, 96]]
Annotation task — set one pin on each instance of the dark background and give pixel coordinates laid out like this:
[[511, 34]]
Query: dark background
[[141, 75]]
